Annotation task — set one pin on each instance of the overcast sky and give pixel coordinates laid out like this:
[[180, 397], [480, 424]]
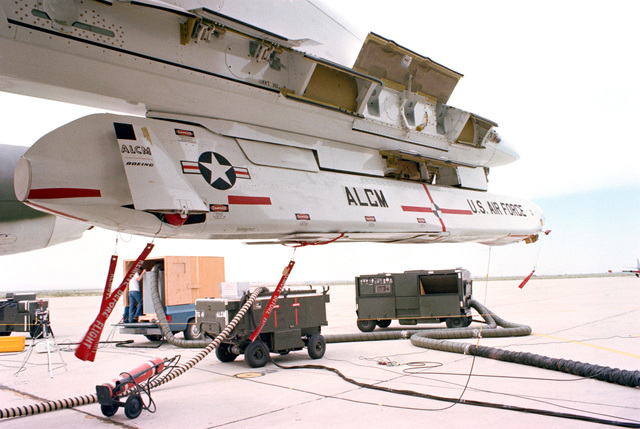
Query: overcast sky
[[561, 80]]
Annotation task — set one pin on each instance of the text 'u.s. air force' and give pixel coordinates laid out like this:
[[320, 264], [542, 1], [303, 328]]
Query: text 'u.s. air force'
[[496, 208]]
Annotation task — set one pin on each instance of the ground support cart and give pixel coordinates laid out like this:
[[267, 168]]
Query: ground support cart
[[414, 297], [295, 323], [19, 312]]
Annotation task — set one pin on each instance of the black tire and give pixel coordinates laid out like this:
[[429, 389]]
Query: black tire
[[366, 325], [133, 406], [256, 355], [109, 410], [192, 332], [456, 322], [224, 353], [384, 323], [154, 337], [316, 346]]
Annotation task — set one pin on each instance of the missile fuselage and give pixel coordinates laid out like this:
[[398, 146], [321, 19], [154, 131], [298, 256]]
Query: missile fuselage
[[130, 174]]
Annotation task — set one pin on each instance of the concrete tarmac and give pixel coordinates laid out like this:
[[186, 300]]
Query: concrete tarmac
[[594, 320]]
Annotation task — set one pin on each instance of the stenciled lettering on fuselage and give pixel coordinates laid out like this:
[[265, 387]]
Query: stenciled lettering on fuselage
[[139, 150], [131, 155], [365, 197], [496, 208]]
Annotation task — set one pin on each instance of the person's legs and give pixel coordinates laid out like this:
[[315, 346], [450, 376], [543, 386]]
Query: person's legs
[[135, 305]]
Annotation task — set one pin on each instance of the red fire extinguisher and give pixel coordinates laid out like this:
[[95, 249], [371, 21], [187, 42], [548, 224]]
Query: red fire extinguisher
[[109, 393]]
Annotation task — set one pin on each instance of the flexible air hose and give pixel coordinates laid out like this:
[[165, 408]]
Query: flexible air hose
[[497, 327], [27, 410], [211, 346], [164, 325]]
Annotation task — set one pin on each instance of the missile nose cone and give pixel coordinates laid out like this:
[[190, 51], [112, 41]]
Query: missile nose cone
[[22, 179], [509, 150], [504, 153]]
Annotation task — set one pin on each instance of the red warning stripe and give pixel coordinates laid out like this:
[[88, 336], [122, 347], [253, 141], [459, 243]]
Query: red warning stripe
[[57, 193], [55, 212], [190, 167], [250, 201], [417, 209], [296, 304], [456, 211]]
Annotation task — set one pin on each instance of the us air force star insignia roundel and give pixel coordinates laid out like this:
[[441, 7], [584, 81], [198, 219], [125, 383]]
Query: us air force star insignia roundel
[[216, 170]]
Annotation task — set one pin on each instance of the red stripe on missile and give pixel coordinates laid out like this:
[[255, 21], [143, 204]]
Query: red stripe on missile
[[190, 167], [444, 228], [57, 193], [54, 212], [417, 209], [250, 201], [455, 211]]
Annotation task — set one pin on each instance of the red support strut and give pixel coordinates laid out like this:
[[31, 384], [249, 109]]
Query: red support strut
[[273, 300], [89, 344], [526, 279]]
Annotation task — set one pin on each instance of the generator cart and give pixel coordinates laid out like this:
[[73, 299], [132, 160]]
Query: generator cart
[[295, 323], [19, 313], [414, 297]]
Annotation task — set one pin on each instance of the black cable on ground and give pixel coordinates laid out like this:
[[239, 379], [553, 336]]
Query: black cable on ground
[[465, 401]]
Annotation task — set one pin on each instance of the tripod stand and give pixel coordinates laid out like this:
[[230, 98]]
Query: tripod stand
[[42, 332]]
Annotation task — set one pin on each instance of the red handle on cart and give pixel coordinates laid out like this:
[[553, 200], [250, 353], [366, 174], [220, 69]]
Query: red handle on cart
[[89, 344]]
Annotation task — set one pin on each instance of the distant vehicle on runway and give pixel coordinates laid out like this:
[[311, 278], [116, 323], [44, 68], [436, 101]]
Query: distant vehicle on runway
[[635, 271]]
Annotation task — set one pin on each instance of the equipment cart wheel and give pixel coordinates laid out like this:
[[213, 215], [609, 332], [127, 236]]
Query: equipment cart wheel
[[224, 353], [109, 410], [316, 346], [256, 355], [133, 406], [192, 332], [384, 323], [366, 325], [456, 322], [154, 337]]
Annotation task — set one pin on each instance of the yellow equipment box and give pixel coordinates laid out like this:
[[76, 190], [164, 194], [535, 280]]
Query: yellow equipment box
[[11, 344]]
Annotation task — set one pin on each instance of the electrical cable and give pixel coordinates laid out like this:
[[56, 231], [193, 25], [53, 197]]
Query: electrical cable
[[464, 401]]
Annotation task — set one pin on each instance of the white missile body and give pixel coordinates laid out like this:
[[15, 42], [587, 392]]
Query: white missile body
[[251, 138], [140, 175]]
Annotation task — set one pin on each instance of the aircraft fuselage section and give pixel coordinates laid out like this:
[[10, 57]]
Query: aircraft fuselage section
[[148, 60]]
